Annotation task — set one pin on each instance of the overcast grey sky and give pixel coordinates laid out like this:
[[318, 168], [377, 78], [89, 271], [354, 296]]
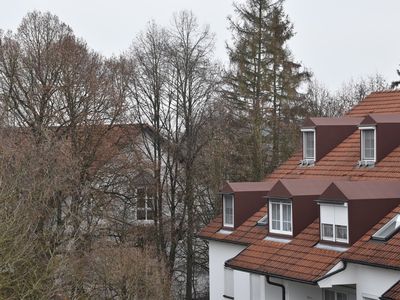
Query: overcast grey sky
[[337, 39]]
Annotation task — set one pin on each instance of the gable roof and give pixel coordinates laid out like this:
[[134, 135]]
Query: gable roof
[[335, 121], [373, 119], [233, 187], [362, 190], [298, 187]]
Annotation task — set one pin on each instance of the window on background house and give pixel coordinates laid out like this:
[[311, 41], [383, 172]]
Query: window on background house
[[368, 145], [280, 214], [309, 145], [334, 223], [144, 203], [228, 210]]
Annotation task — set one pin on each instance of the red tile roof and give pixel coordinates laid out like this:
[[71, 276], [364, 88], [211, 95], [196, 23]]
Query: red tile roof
[[393, 293], [342, 160], [377, 253], [297, 260], [379, 102], [247, 233]]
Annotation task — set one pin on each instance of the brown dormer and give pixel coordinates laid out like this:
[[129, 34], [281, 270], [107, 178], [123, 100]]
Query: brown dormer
[[240, 200], [291, 205], [379, 137], [348, 209], [321, 135]]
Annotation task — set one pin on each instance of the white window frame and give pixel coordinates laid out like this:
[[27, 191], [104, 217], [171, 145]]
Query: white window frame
[[334, 238], [309, 159], [146, 207], [335, 293], [327, 238], [281, 202], [226, 224], [350, 293], [363, 159]]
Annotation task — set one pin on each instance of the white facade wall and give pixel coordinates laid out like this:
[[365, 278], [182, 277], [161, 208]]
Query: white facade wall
[[302, 291], [241, 283], [265, 291], [219, 253], [371, 282], [273, 292]]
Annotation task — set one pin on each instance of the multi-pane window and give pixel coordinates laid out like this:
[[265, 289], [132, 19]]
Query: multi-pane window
[[228, 210], [334, 295], [334, 223], [368, 144], [327, 231], [341, 232], [309, 145], [275, 216], [281, 216], [144, 204]]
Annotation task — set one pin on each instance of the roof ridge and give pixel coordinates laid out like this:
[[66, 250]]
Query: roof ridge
[[387, 91]]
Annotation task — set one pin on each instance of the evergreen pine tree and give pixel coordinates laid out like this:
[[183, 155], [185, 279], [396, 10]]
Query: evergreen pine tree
[[262, 84]]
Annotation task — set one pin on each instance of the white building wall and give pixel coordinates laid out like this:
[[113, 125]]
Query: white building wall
[[370, 282], [219, 253], [241, 284], [294, 290], [302, 291], [273, 292]]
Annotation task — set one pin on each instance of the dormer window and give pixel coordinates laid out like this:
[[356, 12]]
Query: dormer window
[[308, 145], [280, 214], [228, 210], [368, 145], [334, 223]]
